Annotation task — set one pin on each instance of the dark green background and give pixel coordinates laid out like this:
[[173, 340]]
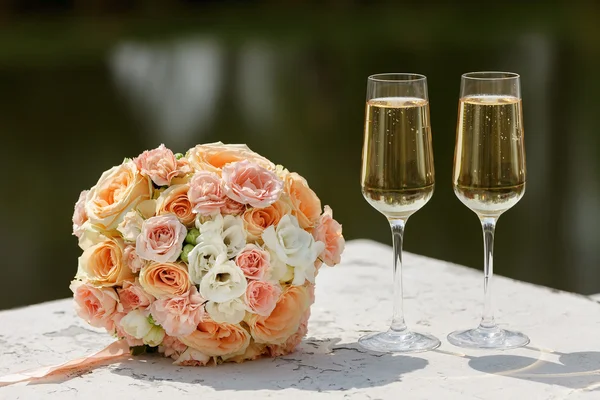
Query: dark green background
[[291, 84]]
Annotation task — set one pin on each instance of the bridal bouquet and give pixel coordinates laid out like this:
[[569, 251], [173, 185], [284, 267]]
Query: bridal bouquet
[[206, 257]]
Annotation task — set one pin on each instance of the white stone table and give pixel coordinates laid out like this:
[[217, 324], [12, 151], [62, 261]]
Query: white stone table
[[562, 361]]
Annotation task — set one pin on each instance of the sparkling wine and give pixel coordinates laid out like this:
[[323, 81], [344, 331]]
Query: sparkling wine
[[397, 169], [489, 164]]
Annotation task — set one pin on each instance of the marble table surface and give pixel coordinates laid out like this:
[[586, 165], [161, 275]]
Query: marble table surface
[[562, 361]]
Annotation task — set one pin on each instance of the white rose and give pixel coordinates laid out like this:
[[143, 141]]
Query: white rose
[[209, 225], [131, 226], [278, 269], [192, 357], [234, 235], [295, 247], [223, 282], [90, 235], [155, 336], [136, 324], [231, 312], [203, 256]]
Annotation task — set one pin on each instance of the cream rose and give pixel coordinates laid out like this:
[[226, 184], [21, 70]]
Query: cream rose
[[214, 156], [131, 226], [231, 312], [295, 247], [175, 201], [102, 264], [165, 279], [223, 282], [284, 320], [119, 190], [306, 205], [214, 339]]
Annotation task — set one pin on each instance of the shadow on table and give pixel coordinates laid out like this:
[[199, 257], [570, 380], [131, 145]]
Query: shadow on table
[[316, 365], [578, 370]]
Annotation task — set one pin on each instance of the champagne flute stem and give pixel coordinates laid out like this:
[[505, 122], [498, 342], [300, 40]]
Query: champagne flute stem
[[489, 225], [398, 324]]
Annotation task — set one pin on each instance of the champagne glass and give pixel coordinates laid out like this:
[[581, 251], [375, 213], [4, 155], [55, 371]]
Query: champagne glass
[[489, 178], [397, 180]]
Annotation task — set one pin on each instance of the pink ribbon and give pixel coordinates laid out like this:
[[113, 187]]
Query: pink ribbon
[[113, 350]]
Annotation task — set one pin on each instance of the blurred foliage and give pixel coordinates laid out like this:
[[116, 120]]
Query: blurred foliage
[[66, 115]]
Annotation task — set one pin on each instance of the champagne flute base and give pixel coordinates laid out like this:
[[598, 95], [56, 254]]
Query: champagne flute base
[[399, 342], [488, 338]]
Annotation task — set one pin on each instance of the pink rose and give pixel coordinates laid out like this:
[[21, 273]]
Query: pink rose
[[261, 297], [161, 239], [172, 347], [206, 193], [329, 231], [79, 215], [159, 164], [95, 305], [131, 341], [249, 183], [253, 261], [132, 260], [232, 207], [179, 315], [133, 296]]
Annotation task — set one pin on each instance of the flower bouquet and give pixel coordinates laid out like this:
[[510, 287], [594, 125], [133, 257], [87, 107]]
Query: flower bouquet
[[206, 257]]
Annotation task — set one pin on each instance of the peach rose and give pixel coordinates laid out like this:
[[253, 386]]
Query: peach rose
[[253, 261], [172, 347], [253, 352], [165, 279], [261, 297], [329, 231], [131, 259], [159, 164], [214, 156], [192, 358], [249, 183], [175, 200], [161, 239], [232, 207], [206, 193], [284, 320], [119, 190], [95, 305], [306, 205], [214, 339], [132, 296], [256, 220], [179, 315], [293, 341], [102, 264], [79, 214]]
